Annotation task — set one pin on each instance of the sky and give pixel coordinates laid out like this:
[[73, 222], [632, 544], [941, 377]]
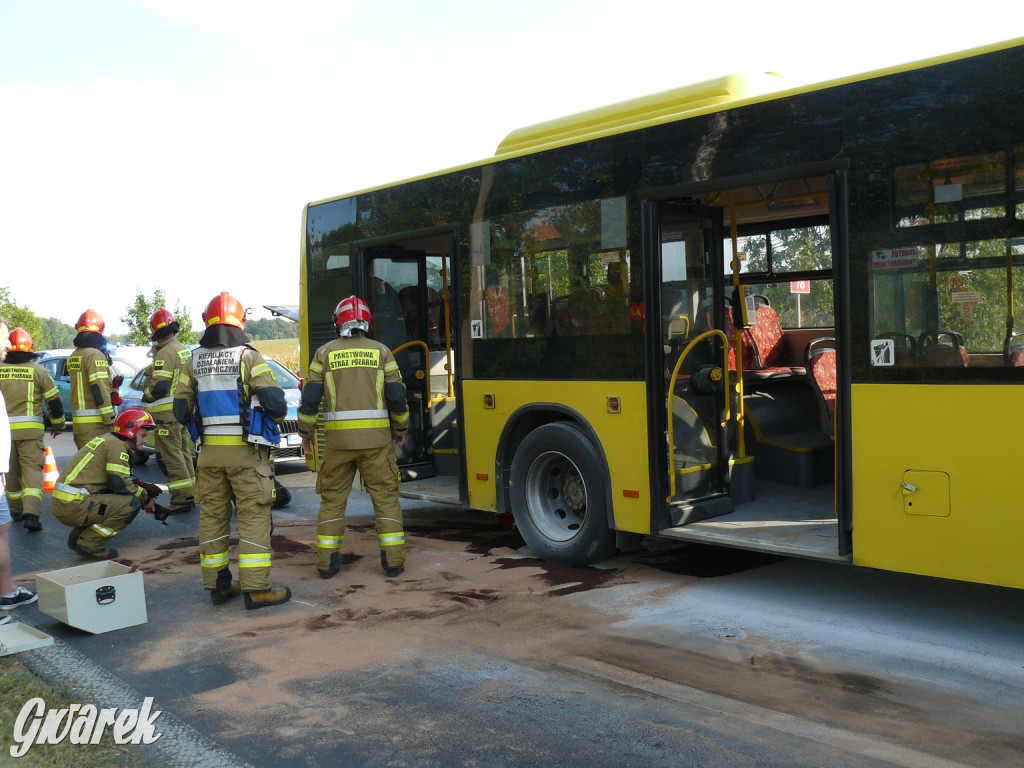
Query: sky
[[172, 144]]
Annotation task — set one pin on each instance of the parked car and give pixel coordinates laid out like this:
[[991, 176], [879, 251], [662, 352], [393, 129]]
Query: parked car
[[290, 448], [55, 363]]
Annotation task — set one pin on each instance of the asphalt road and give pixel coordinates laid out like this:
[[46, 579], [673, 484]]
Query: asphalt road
[[482, 656]]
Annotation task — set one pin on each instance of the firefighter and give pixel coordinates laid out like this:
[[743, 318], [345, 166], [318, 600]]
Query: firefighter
[[364, 408], [95, 494], [92, 408], [229, 392], [29, 392], [173, 445]]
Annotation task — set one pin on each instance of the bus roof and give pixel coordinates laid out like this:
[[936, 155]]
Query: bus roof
[[668, 106]]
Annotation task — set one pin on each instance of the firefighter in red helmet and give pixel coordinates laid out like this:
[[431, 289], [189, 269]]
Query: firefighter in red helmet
[[95, 494], [365, 408], [28, 392], [92, 408], [229, 392], [173, 446]]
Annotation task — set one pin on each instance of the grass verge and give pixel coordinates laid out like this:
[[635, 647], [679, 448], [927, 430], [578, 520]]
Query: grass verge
[[17, 686]]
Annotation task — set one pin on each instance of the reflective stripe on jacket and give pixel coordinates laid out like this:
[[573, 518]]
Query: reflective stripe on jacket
[[27, 390], [353, 371]]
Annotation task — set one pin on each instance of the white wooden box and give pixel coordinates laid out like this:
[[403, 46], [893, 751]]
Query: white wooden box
[[97, 597]]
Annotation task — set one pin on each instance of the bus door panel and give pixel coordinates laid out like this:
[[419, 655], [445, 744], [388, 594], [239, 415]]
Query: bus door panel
[[398, 295], [694, 362]]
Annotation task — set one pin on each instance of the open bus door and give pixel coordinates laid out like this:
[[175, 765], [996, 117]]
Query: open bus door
[[403, 311], [691, 388]]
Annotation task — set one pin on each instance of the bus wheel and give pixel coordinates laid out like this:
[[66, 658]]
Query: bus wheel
[[558, 496]]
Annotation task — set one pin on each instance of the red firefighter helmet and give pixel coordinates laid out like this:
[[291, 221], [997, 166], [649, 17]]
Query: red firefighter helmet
[[21, 340], [90, 320], [130, 421], [351, 313], [224, 309], [160, 319]]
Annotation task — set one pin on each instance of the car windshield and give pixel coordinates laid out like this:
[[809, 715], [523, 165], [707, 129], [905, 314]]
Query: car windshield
[[284, 377], [123, 367]]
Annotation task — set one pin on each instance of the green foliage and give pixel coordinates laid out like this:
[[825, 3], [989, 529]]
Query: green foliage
[[136, 317], [55, 335], [19, 317], [271, 328]]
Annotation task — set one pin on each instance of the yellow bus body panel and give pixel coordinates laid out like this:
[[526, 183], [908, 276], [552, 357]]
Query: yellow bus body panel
[[622, 436], [956, 450]]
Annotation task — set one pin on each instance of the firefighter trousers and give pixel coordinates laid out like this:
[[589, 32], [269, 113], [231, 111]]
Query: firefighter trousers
[[174, 449], [379, 469], [87, 430], [101, 515], [251, 488], [25, 479]]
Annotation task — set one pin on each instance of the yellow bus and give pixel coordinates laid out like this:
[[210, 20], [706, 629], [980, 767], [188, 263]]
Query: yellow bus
[[743, 313]]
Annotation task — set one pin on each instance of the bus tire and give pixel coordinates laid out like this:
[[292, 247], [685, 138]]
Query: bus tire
[[558, 496]]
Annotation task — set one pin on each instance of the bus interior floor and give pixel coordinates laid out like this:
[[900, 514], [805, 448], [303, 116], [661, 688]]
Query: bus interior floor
[[797, 522]]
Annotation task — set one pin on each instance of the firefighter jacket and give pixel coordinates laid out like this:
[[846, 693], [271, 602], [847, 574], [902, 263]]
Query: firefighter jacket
[[169, 357], [363, 397], [90, 375], [103, 465], [218, 388], [5, 439], [29, 391]]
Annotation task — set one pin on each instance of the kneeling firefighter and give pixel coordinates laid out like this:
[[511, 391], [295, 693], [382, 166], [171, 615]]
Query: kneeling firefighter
[[95, 493], [229, 392]]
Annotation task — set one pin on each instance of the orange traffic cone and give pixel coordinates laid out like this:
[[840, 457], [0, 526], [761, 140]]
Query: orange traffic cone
[[50, 472]]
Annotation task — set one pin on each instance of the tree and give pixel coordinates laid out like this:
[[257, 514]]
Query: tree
[[20, 317], [136, 317], [55, 335]]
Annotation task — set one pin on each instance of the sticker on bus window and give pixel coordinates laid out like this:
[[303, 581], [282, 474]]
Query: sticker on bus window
[[476, 329], [883, 352]]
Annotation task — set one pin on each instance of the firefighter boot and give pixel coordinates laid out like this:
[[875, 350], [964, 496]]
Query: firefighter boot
[[32, 523], [390, 570], [332, 568], [96, 553], [73, 536], [225, 588], [267, 597]]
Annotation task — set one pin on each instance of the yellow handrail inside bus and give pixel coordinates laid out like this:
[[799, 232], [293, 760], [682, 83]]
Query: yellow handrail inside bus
[[670, 430], [426, 362]]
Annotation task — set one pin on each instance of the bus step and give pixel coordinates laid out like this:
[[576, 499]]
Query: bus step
[[692, 510]]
